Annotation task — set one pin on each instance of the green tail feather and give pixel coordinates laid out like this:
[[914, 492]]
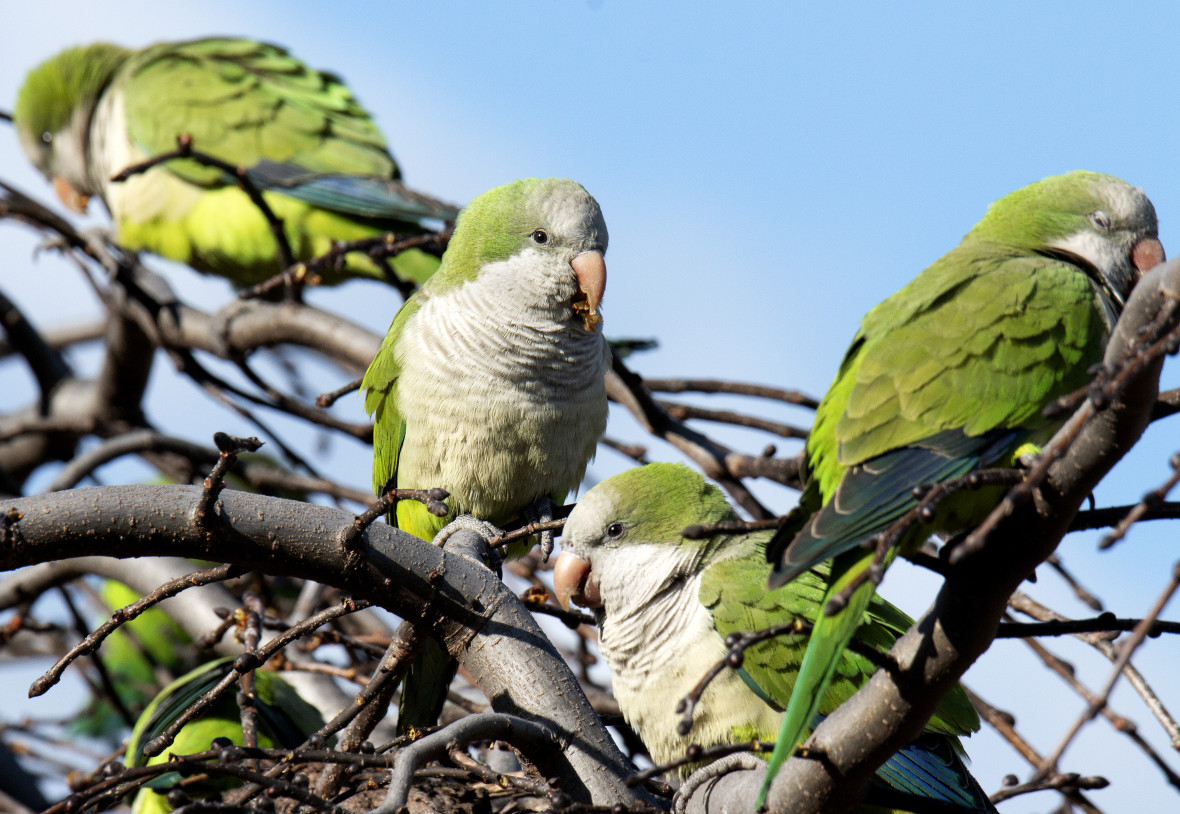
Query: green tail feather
[[424, 689], [829, 637]]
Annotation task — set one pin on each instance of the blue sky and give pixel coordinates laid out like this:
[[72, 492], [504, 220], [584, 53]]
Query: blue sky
[[768, 173]]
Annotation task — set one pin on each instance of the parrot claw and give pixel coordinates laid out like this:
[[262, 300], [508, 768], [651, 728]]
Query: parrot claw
[[542, 511], [469, 523], [740, 761]]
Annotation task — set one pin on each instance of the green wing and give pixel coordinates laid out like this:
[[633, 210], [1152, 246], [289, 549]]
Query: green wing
[[981, 340], [380, 388], [735, 591], [949, 374], [295, 130]]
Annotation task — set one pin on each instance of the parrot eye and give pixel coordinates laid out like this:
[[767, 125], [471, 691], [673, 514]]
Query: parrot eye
[[614, 530], [540, 237], [1101, 220], [47, 137]]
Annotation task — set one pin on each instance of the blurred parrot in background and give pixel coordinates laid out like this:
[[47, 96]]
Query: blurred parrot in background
[[135, 655], [665, 605], [949, 375], [285, 721], [490, 382], [300, 135]]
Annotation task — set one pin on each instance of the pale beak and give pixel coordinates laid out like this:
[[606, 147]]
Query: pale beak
[[572, 580], [590, 269], [69, 195], [1147, 253]]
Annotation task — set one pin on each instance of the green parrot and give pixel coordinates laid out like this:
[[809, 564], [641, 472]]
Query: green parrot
[[665, 605], [285, 721], [949, 375], [490, 383], [303, 139]]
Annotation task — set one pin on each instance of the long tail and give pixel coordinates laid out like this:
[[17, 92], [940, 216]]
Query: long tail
[[829, 637]]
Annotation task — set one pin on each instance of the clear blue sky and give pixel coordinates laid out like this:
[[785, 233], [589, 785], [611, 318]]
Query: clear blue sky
[[768, 173]]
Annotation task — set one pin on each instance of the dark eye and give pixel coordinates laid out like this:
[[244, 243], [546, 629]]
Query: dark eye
[[614, 530], [47, 137], [1101, 220], [540, 237]]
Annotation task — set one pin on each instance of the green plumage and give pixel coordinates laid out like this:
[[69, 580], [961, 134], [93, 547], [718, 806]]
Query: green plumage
[[489, 383], [952, 374], [666, 604], [301, 136], [284, 721]]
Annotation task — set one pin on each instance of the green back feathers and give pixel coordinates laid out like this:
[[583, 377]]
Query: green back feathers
[[249, 102], [55, 88], [982, 339]]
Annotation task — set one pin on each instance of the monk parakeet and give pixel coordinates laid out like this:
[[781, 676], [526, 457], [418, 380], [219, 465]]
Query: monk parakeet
[[490, 382], [285, 721], [89, 112], [665, 604], [951, 374]]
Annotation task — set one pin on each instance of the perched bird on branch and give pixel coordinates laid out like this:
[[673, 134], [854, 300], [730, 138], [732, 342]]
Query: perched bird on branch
[[665, 605], [298, 135], [951, 375], [490, 382]]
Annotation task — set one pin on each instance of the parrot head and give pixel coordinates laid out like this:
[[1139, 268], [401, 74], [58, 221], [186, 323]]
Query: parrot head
[[1097, 222], [550, 220], [622, 545], [52, 116]]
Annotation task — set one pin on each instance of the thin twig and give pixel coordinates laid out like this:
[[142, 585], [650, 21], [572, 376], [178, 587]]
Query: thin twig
[[326, 400], [737, 388], [184, 150], [218, 574], [683, 412], [1126, 649], [1153, 498], [1005, 724], [1026, 605]]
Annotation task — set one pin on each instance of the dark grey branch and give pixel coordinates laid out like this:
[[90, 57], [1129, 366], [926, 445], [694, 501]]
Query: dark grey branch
[[460, 601]]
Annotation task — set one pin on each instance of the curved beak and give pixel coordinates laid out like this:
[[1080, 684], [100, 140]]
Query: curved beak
[[69, 195], [1147, 253], [590, 269], [572, 581]]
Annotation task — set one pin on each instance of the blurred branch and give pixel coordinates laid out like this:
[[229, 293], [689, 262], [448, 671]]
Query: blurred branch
[[716, 460], [736, 388]]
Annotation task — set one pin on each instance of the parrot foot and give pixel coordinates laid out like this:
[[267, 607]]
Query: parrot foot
[[466, 522], [683, 802], [542, 511], [102, 236]]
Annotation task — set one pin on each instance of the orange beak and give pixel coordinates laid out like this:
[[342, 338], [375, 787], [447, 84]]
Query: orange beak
[[572, 581], [69, 195], [590, 269]]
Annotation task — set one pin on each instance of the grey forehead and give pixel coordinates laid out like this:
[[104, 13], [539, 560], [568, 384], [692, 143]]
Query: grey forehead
[[570, 210]]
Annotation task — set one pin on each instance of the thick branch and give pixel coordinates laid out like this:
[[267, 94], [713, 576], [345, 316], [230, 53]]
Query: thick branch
[[483, 624]]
